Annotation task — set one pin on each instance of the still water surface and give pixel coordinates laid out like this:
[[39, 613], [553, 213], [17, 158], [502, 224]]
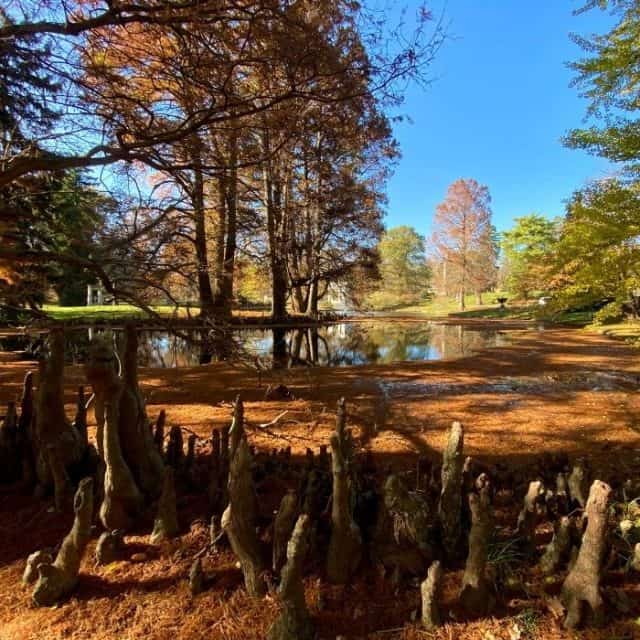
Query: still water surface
[[341, 344]]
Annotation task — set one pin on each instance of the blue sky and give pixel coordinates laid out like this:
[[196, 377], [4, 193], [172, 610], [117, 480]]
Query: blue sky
[[496, 110]]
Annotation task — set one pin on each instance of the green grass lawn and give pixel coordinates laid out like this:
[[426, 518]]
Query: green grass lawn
[[112, 312], [436, 308], [447, 307], [490, 310], [440, 306]]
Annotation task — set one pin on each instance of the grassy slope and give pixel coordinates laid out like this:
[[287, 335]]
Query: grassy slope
[[439, 307], [628, 331]]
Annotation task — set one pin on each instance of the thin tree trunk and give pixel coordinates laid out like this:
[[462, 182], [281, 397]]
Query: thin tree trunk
[[312, 301]]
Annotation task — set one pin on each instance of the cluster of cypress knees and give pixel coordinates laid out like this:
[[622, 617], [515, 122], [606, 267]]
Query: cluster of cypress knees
[[332, 504]]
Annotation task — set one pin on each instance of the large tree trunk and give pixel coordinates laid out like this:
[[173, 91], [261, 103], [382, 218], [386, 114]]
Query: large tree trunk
[[312, 299], [227, 239], [275, 235], [205, 291]]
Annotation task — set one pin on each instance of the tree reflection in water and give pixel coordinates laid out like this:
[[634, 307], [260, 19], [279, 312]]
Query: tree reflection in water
[[341, 344]]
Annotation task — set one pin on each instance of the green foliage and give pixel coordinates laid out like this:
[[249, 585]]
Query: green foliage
[[52, 215], [597, 256], [405, 274], [609, 77], [252, 283], [609, 314], [77, 211], [524, 249]]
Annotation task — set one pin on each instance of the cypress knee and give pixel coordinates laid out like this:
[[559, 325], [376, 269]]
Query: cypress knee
[[582, 586], [175, 448], [122, 500], [136, 439], [165, 525], [559, 549], [294, 622], [158, 431], [578, 482], [345, 546], [238, 521], [430, 592], [476, 595], [529, 517], [51, 425], [450, 505], [59, 579], [283, 526]]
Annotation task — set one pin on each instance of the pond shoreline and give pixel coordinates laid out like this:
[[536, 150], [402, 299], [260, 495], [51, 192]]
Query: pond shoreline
[[357, 340], [253, 322]]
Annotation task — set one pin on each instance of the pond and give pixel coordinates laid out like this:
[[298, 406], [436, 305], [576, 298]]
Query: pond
[[340, 344]]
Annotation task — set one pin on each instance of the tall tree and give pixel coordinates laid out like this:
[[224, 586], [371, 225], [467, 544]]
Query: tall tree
[[463, 238], [597, 256], [524, 249], [49, 214], [405, 275], [209, 95]]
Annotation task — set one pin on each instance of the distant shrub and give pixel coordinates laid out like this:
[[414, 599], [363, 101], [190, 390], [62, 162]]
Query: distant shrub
[[609, 314]]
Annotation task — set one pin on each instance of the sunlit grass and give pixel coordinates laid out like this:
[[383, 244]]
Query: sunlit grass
[[114, 312], [629, 330], [122, 312], [491, 310]]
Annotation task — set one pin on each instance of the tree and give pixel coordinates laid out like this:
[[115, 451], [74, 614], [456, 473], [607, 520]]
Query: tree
[[220, 106], [405, 275], [464, 239], [597, 256], [56, 213], [609, 77], [524, 249], [78, 213]]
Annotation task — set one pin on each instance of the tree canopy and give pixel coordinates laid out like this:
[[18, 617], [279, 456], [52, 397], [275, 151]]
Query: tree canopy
[[464, 240], [597, 256], [524, 249], [405, 275], [229, 131], [609, 77]]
